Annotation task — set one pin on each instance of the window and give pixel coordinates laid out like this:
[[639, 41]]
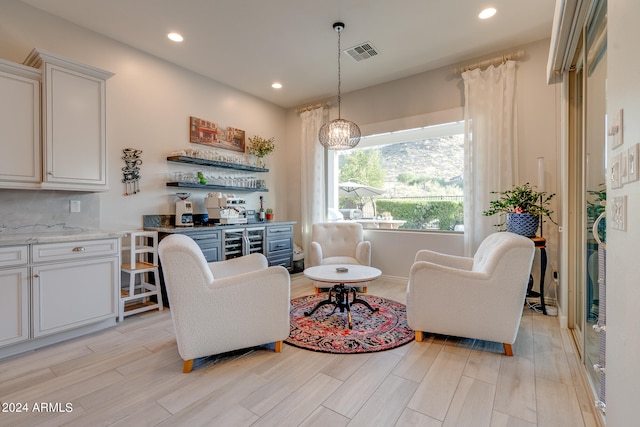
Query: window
[[417, 172]]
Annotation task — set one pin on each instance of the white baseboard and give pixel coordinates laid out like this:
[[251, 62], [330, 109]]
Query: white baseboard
[[395, 279]]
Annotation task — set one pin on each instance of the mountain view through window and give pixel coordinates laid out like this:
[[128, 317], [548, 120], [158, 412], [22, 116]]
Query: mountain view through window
[[414, 183]]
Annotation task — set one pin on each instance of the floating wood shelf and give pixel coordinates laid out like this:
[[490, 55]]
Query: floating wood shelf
[[215, 163]]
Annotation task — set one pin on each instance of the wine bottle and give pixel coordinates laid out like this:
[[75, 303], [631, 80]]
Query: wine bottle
[[261, 215]]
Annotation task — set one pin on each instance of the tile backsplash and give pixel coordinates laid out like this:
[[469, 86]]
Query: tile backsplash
[[28, 211]]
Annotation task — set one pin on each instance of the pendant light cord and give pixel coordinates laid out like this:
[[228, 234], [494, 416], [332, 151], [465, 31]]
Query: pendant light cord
[[339, 134], [339, 72]]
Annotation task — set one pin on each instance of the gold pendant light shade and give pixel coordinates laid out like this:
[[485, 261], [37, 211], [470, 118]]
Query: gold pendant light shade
[[339, 134]]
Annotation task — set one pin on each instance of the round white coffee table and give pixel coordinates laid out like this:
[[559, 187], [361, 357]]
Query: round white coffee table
[[342, 276]]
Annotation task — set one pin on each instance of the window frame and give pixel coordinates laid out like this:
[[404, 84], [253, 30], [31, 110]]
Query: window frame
[[440, 123]]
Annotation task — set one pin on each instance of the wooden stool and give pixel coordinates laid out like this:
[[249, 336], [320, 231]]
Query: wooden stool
[[140, 263]]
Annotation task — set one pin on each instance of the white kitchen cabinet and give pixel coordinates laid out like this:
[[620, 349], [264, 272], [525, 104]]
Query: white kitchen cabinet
[[74, 284], [14, 295], [21, 160], [14, 305], [68, 295], [74, 123], [50, 292]]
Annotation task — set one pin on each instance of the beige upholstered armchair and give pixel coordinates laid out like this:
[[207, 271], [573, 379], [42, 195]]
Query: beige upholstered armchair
[[480, 297], [339, 243], [222, 306]]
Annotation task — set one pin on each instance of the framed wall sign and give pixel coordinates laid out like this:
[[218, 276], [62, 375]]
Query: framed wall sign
[[209, 133]]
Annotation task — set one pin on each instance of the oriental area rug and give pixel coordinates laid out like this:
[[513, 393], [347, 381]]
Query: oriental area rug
[[327, 329]]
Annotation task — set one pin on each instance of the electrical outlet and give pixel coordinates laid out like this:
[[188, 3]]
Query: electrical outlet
[[74, 206]]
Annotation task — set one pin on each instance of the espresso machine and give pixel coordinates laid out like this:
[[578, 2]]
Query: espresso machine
[[225, 209], [184, 211]]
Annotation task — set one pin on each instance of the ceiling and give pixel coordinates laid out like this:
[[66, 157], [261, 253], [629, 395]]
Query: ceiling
[[249, 44]]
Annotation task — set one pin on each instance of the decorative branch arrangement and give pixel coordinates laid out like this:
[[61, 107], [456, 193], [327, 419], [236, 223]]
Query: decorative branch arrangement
[[131, 171]]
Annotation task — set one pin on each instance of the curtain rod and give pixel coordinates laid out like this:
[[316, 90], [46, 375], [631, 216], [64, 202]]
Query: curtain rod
[[493, 61], [301, 110]]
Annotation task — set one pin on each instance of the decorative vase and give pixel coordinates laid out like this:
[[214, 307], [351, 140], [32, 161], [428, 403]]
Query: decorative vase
[[523, 223]]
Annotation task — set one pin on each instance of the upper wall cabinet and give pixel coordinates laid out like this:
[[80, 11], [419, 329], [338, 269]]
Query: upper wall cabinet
[[74, 123], [20, 163]]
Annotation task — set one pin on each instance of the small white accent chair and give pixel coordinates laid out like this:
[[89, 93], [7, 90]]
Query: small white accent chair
[[480, 297], [223, 306], [338, 243]]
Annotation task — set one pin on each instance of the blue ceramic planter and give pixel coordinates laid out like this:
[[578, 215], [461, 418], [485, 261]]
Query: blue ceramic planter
[[523, 223]]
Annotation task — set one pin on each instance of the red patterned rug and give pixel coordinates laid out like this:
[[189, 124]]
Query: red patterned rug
[[327, 330]]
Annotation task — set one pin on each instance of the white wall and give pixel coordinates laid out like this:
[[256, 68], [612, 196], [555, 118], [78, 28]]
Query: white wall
[[149, 102], [623, 268], [436, 91], [394, 252]]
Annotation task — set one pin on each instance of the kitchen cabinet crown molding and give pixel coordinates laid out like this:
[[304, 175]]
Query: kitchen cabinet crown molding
[[38, 57], [20, 70]]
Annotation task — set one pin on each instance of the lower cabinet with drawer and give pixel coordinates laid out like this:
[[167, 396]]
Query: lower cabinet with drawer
[[66, 290], [220, 242], [210, 242], [280, 245], [14, 295]]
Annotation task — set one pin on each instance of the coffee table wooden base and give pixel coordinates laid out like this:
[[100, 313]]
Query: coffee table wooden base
[[339, 298]]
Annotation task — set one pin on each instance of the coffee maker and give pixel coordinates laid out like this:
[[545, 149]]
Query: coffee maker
[[225, 209], [184, 211]]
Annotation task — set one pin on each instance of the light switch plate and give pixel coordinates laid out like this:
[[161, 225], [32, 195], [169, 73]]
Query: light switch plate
[[624, 167], [614, 174], [619, 213], [632, 163], [615, 130]]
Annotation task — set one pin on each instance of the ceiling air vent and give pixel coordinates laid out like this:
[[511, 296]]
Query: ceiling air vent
[[362, 51]]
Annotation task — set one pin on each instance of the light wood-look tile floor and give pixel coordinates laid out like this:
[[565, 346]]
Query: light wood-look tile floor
[[131, 375]]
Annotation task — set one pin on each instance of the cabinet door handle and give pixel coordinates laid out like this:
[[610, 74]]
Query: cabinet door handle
[[37, 276], [50, 173], [78, 249]]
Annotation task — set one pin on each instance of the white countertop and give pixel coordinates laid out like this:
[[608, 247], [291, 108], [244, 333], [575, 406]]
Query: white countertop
[[56, 236], [200, 228]]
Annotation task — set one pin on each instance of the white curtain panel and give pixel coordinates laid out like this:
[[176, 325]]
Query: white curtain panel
[[314, 206], [491, 146]]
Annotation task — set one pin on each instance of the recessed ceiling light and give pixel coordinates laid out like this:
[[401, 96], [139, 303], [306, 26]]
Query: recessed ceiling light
[[276, 85], [487, 13], [175, 37]]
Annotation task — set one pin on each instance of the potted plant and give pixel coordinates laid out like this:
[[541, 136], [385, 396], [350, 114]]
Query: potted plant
[[260, 147], [270, 214], [523, 206]]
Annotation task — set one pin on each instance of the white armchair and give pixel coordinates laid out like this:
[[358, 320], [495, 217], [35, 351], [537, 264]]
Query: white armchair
[[338, 243], [222, 306], [480, 297]]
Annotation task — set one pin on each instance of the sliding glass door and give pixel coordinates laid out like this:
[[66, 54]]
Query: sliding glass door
[[587, 90]]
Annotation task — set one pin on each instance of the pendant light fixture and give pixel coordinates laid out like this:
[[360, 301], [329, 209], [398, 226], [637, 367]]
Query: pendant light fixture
[[339, 134]]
